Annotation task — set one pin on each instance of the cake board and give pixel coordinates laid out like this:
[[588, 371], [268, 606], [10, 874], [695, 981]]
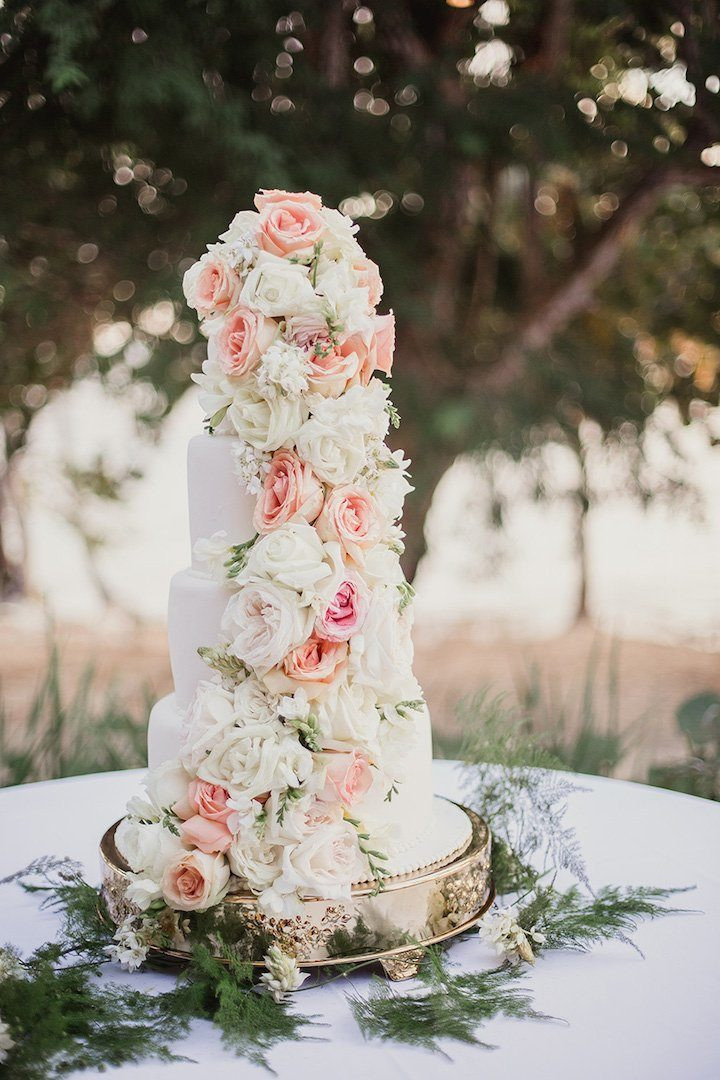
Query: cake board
[[392, 925]]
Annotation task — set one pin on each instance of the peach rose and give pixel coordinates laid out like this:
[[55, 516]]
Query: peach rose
[[272, 196], [195, 881], [350, 516], [332, 369], [317, 660], [287, 224], [309, 331], [348, 777], [290, 491], [208, 800], [211, 285], [384, 343], [346, 612], [208, 836], [242, 339], [368, 277]]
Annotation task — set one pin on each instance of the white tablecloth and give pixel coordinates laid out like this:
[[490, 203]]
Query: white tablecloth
[[627, 1018]]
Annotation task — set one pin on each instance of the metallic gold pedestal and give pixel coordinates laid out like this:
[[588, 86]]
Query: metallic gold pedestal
[[393, 926]]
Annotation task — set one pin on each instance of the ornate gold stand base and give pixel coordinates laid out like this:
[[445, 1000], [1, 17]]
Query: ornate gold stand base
[[393, 926]]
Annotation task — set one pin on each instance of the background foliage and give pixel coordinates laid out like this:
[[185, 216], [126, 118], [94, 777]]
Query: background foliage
[[537, 183]]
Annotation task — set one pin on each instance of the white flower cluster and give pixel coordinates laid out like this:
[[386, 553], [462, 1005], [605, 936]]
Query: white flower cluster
[[503, 932], [282, 975], [281, 759]]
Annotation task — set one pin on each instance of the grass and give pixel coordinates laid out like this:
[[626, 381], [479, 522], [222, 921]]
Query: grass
[[65, 734]]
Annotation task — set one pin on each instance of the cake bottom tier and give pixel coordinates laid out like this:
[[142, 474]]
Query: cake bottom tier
[[413, 829]]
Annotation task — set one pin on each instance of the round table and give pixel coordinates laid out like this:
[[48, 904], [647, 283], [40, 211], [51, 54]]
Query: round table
[[627, 1018]]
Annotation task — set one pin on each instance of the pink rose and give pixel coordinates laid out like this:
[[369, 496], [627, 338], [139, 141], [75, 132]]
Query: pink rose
[[242, 339], [384, 343], [350, 516], [272, 196], [288, 224], [211, 285], [348, 777], [317, 660], [332, 369], [208, 836], [195, 881], [309, 331], [290, 491], [208, 800], [346, 612], [368, 277]]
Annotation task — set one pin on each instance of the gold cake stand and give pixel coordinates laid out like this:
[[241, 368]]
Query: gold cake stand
[[392, 926]]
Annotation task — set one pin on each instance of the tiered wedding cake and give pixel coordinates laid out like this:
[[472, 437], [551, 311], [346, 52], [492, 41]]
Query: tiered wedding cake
[[294, 756]]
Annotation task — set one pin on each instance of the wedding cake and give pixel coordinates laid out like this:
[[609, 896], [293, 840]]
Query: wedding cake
[[294, 756]]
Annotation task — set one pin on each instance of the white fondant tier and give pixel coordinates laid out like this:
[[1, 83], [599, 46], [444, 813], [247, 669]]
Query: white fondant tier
[[449, 833], [195, 610], [217, 500], [164, 731]]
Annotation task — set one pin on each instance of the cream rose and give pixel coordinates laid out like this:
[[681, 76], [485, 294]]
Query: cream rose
[[264, 622], [253, 761], [147, 847], [211, 713], [195, 881], [256, 862], [351, 517], [265, 423], [349, 716], [290, 491], [292, 555], [241, 339], [381, 655], [324, 864], [277, 287]]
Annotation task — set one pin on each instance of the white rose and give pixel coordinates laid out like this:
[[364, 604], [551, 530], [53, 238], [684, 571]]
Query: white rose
[[253, 705], [293, 555], [348, 718], [264, 622], [259, 863], [324, 864], [216, 394], [382, 567], [335, 454], [381, 654], [348, 303], [391, 486], [265, 423], [142, 891], [167, 784], [256, 760], [147, 848], [277, 286], [210, 714], [245, 223], [339, 238]]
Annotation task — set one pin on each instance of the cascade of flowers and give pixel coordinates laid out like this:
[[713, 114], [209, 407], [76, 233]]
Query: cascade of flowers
[[311, 706]]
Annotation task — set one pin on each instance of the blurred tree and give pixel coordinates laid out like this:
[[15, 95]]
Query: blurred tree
[[536, 180]]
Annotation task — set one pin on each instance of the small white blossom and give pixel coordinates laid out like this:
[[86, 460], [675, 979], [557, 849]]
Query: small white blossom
[[294, 706], [283, 368], [212, 554], [282, 975], [240, 253], [132, 943], [251, 466], [503, 932], [6, 1040]]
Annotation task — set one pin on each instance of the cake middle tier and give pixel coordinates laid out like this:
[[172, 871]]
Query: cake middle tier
[[195, 610]]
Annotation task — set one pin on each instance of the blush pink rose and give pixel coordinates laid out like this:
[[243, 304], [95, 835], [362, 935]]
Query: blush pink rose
[[208, 836], [346, 612], [208, 800], [317, 660], [351, 517], [331, 370], [309, 331], [384, 343], [242, 339], [288, 225], [368, 277], [291, 491], [215, 286], [348, 777], [274, 196], [195, 881]]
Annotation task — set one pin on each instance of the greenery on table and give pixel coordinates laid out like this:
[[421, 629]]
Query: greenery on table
[[548, 234]]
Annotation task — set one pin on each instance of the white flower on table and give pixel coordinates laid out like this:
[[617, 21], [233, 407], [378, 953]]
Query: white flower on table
[[504, 933], [282, 975], [131, 943], [6, 1040]]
